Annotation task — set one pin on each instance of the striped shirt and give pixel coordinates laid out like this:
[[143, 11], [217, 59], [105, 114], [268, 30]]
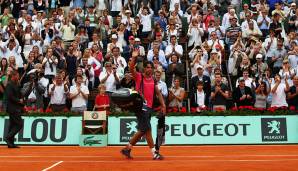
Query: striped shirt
[[234, 32]]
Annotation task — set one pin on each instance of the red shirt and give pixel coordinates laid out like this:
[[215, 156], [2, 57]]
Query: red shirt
[[148, 88], [102, 99]]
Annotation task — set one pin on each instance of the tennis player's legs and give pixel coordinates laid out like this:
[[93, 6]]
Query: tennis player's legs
[[144, 129]]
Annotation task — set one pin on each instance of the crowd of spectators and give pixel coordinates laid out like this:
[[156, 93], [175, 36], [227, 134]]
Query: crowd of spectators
[[216, 53]]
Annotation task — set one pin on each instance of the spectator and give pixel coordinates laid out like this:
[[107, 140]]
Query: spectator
[[195, 34], [259, 68], [58, 92], [162, 86], [287, 71], [127, 81], [158, 54], [200, 58], [102, 100], [118, 60], [33, 92], [173, 47], [199, 100], [200, 77], [50, 62], [242, 95], [233, 32], [145, 15], [263, 22], [158, 67], [79, 93], [176, 95], [109, 77], [279, 91], [249, 82], [175, 69], [293, 93], [278, 56], [219, 94], [262, 93]]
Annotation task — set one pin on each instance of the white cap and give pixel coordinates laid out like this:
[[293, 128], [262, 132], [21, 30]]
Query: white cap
[[137, 39], [259, 56], [199, 66], [114, 36], [214, 51]]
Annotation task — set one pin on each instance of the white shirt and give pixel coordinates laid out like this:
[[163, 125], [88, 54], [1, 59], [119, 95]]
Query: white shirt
[[248, 83], [195, 36], [172, 4], [162, 86], [92, 60], [200, 98], [47, 70], [244, 25], [178, 49], [59, 95], [16, 54], [272, 47], [79, 100], [279, 97], [215, 44], [146, 20], [120, 60], [293, 60], [116, 5], [110, 82]]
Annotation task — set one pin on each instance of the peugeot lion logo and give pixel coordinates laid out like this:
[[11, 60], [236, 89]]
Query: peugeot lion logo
[[132, 126], [128, 126], [275, 127]]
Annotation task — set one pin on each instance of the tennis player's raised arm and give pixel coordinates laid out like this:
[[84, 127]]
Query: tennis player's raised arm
[[132, 64]]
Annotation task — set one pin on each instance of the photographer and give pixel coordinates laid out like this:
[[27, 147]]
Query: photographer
[[33, 91]]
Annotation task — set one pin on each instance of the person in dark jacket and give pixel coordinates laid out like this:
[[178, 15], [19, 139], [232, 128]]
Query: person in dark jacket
[[201, 77], [242, 95], [199, 100], [14, 108]]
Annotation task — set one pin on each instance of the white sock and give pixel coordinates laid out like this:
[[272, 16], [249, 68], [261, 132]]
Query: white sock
[[153, 151]]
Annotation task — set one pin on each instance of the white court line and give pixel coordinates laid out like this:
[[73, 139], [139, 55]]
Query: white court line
[[54, 165], [145, 161], [170, 156]]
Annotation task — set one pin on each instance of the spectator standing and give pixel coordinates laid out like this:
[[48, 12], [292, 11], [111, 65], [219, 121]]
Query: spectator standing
[[279, 91], [242, 95], [173, 47], [58, 92], [199, 100], [109, 77], [79, 93], [219, 94], [262, 93], [50, 62], [200, 77]]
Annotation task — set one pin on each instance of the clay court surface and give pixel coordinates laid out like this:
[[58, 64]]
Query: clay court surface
[[182, 158]]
